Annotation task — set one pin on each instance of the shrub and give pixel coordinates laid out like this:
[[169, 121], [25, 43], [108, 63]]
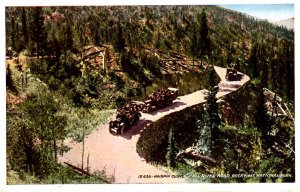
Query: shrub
[[171, 154]]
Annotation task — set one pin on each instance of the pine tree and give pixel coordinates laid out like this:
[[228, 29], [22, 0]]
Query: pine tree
[[204, 144], [24, 27], [194, 40], [274, 73], [262, 121], [213, 113], [119, 39], [290, 74], [265, 75], [13, 34], [69, 39], [38, 36], [170, 156], [253, 61], [205, 42], [209, 125]]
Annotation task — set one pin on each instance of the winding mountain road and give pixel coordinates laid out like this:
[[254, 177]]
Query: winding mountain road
[[117, 154]]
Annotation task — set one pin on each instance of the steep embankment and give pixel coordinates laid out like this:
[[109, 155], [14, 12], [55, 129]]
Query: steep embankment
[[117, 154]]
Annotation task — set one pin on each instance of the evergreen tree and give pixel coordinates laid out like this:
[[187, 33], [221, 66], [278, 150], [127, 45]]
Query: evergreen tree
[[210, 121], [204, 144], [119, 39], [170, 156], [290, 74], [262, 121], [213, 114], [69, 39], [24, 28], [158, 41], [97, 36], [253, 61], [194, 40], [13, 34], [205, 42], [274, 73], [265, 75], [38, 36], [209, 125]]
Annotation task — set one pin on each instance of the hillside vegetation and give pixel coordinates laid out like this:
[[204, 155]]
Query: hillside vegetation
[[68, 68]]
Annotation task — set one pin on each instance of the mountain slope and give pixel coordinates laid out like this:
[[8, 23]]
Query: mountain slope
[[288, 23]]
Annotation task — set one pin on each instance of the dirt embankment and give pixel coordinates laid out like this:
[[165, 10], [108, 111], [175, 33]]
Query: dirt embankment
[[117, 154]]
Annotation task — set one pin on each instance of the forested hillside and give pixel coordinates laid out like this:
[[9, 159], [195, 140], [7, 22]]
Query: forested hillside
[[70, 66]]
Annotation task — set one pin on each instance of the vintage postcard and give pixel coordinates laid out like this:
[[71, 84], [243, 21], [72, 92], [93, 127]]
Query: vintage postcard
[[150, 94]]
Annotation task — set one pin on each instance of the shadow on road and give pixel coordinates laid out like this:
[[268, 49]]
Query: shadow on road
[[172, 106], [136, 129], [239, 76]]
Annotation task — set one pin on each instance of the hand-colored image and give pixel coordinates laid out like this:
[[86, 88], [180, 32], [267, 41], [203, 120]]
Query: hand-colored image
[[150, 94]]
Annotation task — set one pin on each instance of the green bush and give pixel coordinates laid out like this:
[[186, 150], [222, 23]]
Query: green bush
[[152, 63], [153, 142], [66, 175], [60, 175]]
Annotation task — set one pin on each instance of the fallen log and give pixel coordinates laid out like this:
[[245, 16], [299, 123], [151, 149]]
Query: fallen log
[[93, 54], [77, 169], [177, 55], [273, 98], [183, 66]]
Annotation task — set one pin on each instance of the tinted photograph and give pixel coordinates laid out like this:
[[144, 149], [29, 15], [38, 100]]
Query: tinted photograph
[[154, 94]]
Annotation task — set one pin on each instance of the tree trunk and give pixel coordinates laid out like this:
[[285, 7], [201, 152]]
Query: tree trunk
[[87, 163], [54, 145], [55, 150], [82, 171], [193, 60], [82, 157], [201, 60]]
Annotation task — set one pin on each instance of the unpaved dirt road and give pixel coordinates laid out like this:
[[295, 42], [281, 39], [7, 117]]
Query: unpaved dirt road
[[117, 154]]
